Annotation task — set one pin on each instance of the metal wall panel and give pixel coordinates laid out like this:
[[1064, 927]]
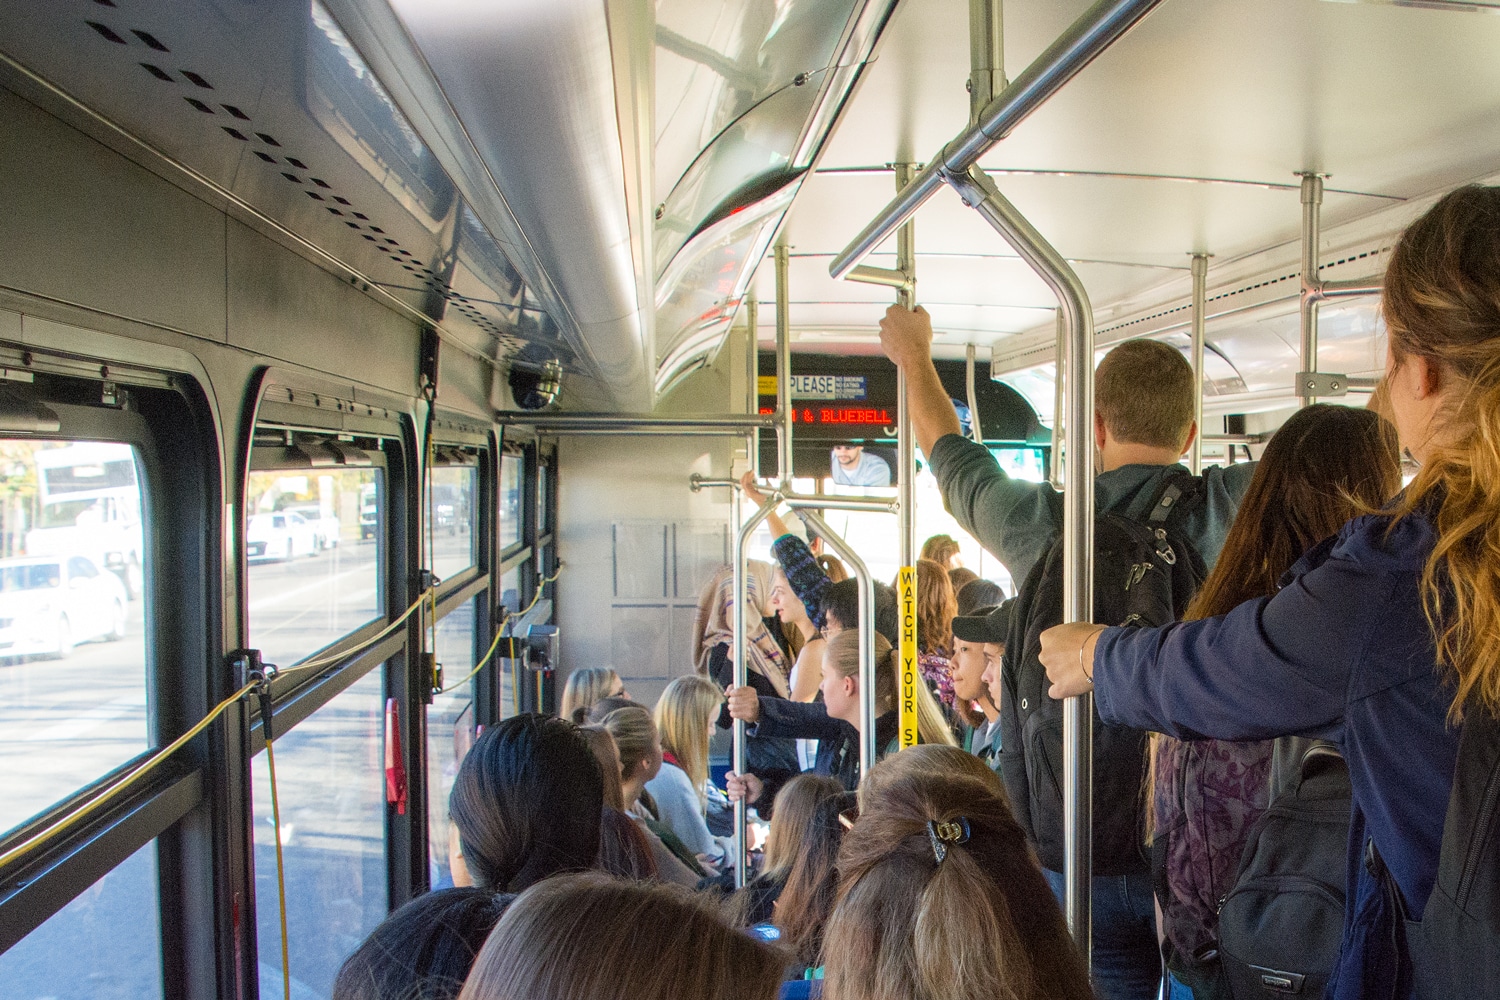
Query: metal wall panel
[[84, 225]]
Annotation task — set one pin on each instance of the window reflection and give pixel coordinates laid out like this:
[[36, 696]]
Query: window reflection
[[331, 785], [312, 542], [72, 639], [451, 515], [450, 730], [510, 500], [105, 944]]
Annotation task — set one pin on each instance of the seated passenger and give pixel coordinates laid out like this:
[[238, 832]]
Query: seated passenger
[[685, 716], [835, 722], [588, 936], [527, 803], [623, 850], [940, 896], [812, 884], [424, 950], [978, 646], [1379, 639], [640, 753], [795, 805], [585, 686]]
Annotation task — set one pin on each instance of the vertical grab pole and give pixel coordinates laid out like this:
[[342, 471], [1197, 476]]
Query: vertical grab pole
[[906, 454], [980, 193], [1200, 287], [1058, 390], [867, 747], [1312, 208], [971, 390], [742, 671], [752, 392], [784, 412]]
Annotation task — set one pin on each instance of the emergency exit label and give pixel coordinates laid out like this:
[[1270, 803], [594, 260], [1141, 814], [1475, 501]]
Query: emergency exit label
[[818, 386]]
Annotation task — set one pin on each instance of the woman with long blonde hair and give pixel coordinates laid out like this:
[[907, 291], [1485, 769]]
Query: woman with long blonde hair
[[587, 685], [685, 717], [1381, 638]]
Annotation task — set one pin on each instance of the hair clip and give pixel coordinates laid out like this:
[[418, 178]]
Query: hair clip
[[944, 833]]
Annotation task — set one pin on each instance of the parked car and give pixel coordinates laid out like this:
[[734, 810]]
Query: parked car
[[49, 604], [280, 535], [325, 526]]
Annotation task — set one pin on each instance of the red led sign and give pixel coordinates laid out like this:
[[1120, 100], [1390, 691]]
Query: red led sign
[[838, 415]]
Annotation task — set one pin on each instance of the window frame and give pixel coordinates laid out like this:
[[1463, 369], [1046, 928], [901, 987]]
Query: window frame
[[172, 426]]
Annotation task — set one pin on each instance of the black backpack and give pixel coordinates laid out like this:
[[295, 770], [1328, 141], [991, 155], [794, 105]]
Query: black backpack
[[1145, 573], [1455, 949], [1281, 927]]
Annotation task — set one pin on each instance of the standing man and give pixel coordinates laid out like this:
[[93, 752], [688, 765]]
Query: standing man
[[1143, 422]]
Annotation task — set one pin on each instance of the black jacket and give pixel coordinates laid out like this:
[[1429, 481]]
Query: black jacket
[[838, 742]]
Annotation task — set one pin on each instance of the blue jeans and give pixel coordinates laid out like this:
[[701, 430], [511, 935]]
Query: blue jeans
[[1127, 959]]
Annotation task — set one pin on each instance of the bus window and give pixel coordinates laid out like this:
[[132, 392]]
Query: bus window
[[72, 643], [105, 943], [451, 515], [330, 781], [450, 729], [511, 477], [312, 542]]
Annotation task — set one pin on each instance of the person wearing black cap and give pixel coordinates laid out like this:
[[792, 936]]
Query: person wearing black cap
[[978, 645]]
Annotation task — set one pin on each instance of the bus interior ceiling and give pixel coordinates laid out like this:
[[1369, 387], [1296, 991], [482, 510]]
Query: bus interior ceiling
[[275, 210]]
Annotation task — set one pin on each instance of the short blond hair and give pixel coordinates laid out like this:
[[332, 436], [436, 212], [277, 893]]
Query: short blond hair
[[1144, 391]]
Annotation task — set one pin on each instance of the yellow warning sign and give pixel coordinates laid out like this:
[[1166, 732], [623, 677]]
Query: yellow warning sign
[[907, 595], [765, 385]]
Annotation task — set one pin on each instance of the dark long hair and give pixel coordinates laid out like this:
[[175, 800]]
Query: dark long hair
[[527, 802], [1324, 466], [805, 903], [424, 950]]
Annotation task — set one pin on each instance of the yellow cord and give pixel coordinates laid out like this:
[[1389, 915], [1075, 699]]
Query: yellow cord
[[500, 634], [134, 778], [286, 965], [344, 654], [92, 806]]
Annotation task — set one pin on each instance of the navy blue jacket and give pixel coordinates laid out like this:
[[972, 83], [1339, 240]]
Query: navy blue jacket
[[1344, 652], [838, 742]]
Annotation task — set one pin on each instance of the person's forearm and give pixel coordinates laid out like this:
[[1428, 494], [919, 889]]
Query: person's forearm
[[932, 413]]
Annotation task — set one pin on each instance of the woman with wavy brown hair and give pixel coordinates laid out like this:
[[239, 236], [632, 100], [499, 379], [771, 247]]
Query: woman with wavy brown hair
[[1382, 637], [940, 898]]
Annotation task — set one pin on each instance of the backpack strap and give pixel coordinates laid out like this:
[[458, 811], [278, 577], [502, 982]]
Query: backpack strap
[[1175, 494]]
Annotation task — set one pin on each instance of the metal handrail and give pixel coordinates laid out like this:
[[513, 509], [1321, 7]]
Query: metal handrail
[[1090, 35], [742, 674], [980, 193]]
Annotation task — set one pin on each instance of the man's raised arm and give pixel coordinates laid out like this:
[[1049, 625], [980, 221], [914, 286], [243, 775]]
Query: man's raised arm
[[906, 338]]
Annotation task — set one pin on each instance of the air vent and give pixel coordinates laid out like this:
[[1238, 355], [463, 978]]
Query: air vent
[[158, 72], [195, 79], [236, 112], [106, 32], [149, 40], [1295, 276]]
